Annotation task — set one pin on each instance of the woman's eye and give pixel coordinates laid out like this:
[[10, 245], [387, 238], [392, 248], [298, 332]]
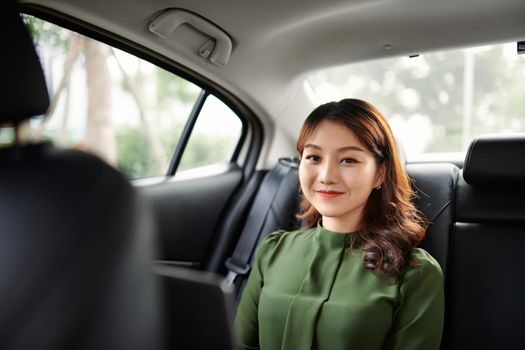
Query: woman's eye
[[312, 158], [348, 161]]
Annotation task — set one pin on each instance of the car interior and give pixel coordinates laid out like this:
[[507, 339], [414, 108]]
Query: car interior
[[80, 235]]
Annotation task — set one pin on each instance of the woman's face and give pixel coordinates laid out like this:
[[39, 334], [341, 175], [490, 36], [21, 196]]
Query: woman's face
[[337, 175]]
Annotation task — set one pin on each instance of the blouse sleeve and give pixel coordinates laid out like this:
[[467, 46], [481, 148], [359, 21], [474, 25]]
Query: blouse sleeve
[[418, 319], [246, 325]]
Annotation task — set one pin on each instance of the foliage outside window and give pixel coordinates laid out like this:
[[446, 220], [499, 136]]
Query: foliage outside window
[[126, 110], [437, 102]]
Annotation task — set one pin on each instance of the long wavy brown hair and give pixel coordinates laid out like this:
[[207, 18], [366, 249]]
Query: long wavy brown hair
[[391, 226]]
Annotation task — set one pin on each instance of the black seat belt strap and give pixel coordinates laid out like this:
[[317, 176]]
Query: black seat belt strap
[[239, 262]]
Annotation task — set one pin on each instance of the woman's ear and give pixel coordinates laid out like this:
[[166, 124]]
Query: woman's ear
[[380, 176]]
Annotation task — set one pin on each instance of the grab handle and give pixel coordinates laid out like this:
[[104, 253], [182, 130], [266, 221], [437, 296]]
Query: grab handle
[[165, 23]]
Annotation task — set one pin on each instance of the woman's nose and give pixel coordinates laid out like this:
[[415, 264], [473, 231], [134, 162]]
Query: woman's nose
[[328, 174]]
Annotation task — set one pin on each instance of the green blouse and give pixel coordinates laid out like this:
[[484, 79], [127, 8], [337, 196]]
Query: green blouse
[[307, 290]]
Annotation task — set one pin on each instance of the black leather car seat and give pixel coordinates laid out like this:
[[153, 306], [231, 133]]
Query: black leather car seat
[[75, 240], [435, 188], [485, 287]]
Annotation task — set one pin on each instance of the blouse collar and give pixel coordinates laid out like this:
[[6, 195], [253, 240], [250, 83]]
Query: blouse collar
[[331, 238]]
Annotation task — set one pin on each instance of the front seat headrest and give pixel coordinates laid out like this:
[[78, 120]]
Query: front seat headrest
[[24, 91], [77, 239], [495, 161]]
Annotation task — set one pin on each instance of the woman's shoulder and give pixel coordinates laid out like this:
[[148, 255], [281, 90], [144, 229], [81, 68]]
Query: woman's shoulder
[[425, 258], [282, 236], [427, 266], [422, 282], [271, 245], [281, 239]]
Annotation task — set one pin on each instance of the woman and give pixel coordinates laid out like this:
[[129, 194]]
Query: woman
[[352, 278]]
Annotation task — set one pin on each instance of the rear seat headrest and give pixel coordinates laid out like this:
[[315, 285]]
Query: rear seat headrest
[[23, 88], [496, 161]]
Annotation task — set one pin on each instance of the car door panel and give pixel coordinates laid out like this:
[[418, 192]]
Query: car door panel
[[188, 213]]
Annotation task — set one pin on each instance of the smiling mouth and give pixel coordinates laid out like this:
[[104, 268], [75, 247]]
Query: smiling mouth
[[329, 194]]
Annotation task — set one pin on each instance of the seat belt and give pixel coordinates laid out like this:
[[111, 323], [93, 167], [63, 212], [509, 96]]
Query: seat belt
[[239, 262]]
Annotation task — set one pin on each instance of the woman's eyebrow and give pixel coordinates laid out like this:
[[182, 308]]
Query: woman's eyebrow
[[340, 149], [311, 145], [350, 148]]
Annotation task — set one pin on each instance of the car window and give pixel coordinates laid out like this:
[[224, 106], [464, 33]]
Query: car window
[[214, 136], [438, 102], [126, 110]]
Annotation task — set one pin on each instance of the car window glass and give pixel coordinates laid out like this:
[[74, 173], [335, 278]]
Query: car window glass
[[214, 137], [437, 102], [125, 109]]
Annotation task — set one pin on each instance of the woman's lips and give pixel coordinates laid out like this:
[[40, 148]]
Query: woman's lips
[[329, 194]]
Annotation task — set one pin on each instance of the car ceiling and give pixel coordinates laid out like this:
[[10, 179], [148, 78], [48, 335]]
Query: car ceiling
[[275, 43]]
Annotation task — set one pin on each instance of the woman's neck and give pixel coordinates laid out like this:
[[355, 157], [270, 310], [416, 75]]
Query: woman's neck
[[338, 225]]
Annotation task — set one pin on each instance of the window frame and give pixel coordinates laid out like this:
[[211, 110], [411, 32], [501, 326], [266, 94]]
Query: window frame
[[250, 123]]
